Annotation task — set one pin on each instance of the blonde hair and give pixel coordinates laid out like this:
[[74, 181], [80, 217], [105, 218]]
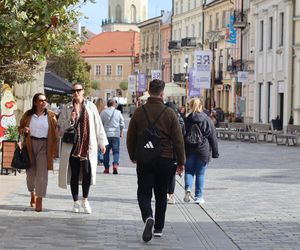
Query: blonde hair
[[196, 105], [100, 104]]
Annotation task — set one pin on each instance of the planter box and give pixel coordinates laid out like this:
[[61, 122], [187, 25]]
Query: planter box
[[8, 149]]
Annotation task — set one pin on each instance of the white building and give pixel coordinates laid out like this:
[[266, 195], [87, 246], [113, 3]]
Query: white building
[[273, 57], [123, 15]]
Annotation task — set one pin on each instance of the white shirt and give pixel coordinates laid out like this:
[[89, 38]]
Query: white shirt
[[39, 126]]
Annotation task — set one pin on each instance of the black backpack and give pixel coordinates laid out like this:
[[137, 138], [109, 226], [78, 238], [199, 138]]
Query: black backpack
[[148, 146], [194, 137]]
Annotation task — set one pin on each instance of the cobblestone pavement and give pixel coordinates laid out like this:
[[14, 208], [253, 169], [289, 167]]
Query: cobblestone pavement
[[252, 202]]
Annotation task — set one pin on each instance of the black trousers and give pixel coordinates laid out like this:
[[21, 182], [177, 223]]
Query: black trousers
[[154, 177], [172, 180], [84, 167]]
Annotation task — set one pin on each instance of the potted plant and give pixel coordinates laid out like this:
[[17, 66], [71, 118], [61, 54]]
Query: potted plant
[[11, 133]]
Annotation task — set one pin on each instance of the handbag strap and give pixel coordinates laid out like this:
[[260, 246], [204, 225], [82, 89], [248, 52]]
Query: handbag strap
[[111, 117]]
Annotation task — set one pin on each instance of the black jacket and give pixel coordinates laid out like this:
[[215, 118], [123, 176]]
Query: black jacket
[[207, 128]]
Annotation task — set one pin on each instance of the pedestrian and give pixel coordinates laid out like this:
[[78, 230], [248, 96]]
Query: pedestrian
[[100, 107], [172, 179], [198, 155], [114, 124], [154, 175], [78, 161], [182, 112], [39, 127]]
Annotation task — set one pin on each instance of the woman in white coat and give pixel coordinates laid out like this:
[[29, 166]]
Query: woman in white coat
[[78, 161]]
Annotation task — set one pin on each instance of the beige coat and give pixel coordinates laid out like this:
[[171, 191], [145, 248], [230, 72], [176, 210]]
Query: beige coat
[[52, 136], [97, 138]]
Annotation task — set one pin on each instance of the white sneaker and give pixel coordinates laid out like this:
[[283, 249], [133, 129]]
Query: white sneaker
[[86, 207], [187, 196], [171, 199], [76, 207], [199, 200]]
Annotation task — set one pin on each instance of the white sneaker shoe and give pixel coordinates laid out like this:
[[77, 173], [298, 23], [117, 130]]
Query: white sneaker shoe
[[86, 207], [199, 201], [187, 196], [171, 199], [76, 207]]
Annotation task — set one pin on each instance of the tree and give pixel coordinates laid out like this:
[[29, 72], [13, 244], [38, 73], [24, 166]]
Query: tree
[[31, 30], [95, 84], [69, 65], [123, 85]]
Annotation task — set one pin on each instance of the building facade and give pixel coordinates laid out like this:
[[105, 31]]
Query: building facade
[[112, 57], [273, 20], [124, 15]]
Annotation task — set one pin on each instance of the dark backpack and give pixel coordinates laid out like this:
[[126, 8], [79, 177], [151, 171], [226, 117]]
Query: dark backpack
[[194, 137], [148, 146]]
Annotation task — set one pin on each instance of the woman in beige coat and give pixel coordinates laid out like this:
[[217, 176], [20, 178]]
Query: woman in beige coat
[[38, 125], [78, 162]]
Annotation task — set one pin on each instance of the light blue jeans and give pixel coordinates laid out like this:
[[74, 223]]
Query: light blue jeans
[[194, 166]]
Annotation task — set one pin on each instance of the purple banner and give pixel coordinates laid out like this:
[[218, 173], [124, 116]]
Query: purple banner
[[142, 86], [194, 87]]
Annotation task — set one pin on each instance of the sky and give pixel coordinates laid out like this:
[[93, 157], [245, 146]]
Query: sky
[[98, 11]]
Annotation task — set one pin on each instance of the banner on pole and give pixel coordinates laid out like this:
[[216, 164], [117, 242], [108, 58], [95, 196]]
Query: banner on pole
[[156, 74], [243, 76], [131, 83], [142, 82], [194, 87], [203, 60]]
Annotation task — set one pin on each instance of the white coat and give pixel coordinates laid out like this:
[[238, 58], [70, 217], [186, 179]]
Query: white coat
[[97, 139]]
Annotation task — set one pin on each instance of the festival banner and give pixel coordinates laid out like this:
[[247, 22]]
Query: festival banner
[[231, 31], [142, 80], [131, 83], [194, 87], [156, 74], [203, 60]]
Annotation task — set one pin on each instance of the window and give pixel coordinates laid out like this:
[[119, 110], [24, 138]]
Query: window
[[224, 19], [119, 70], [108, 70], [229, 60], [217, 21], [270, 32], [193, 30], [118, 13], [187, 31], [200, 29], [189, 4], [210, 23], [179, 34], [175, 35], [195, 3], [181, 6], [281, 28], [176, 8], [133, 13], [97, 70], [261, 45]]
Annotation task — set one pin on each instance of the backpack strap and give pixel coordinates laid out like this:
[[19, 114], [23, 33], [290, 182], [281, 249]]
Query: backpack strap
[[147, 117]]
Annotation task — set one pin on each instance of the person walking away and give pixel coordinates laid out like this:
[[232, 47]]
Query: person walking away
[[172, 179], [114, 124], [100, 107], [78, 160], [153, 175], [200, 127], [39, 127]]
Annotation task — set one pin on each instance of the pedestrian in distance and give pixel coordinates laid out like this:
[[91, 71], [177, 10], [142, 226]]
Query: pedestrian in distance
[[114, 124], [39, 127], [172, 179], [78, 160], [200, 143], [153, 136], [100, 107]]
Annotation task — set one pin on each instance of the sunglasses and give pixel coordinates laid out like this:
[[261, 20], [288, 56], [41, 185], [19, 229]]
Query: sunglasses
[[43, 100], [76, 90]]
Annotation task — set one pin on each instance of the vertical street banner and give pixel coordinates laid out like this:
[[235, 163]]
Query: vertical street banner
[[131, 83], [194, 87], [203, 60], [156, 74], [231, 31], [142, 80]]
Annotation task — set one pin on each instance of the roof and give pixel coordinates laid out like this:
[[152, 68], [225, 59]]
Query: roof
[[112, 44], [56, 84]]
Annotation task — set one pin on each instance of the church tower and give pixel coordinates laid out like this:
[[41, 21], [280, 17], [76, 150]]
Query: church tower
[[124, 15]]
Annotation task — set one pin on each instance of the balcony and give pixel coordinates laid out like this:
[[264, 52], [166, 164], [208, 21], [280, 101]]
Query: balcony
[[174, 45], [236, 65], [188, 42], [180, 77], [240, 21]]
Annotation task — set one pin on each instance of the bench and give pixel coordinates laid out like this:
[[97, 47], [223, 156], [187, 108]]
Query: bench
[[256, 132], [233, 131], [290, 137], [222, 126]]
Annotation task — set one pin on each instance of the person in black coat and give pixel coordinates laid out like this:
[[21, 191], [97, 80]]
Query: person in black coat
[[198, 156], [172, 180]]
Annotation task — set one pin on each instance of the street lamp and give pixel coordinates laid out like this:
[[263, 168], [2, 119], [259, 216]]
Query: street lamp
[[186, 66], [213, 37]]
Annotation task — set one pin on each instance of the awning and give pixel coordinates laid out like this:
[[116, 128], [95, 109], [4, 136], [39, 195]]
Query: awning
[[55, 84], [171, 89]]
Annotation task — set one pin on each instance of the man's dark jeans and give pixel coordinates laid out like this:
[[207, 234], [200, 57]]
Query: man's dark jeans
[[154, 176]]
